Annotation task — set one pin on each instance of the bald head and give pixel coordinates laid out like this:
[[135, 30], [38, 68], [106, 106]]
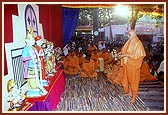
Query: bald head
[[131, 34]]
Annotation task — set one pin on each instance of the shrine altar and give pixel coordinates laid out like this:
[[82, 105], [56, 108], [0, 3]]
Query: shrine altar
[[50, 101]]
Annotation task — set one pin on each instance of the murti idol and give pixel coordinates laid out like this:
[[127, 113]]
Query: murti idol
[[31, 60], [50, 59], [40, 51], [15, 96]]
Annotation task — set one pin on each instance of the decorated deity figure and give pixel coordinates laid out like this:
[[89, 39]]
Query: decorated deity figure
[[15, 96], [50, 59], [40, 52], [53, 57], [31, 60], [44, 47], [58, 53]]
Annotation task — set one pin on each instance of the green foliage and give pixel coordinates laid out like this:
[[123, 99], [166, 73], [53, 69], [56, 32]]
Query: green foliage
[[85, 16], [107, 16]]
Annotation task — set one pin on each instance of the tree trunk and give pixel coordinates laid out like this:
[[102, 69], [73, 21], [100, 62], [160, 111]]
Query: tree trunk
[[95, 23], [111, 33], [134, 19]]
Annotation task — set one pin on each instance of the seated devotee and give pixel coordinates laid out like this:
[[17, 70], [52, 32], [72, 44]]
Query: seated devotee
[[100, 45], [106, 56], [81, 58], [114, 73], [66, 64], [88, 69], [79, 49], [88, 54], [160, 71], [84, 44], [94, 56], [104, 44], [71, 64], [92, 47], [65, 50], [145, 74]]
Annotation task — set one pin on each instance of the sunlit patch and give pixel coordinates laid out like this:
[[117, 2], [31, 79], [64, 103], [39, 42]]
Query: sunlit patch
[[122, 10]]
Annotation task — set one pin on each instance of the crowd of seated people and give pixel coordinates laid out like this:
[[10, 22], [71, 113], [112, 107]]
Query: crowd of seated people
[[85, 62], [155, 60]]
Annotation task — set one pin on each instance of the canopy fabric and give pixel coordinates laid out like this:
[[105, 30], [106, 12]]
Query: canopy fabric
[[88, 5], [143, 8]]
